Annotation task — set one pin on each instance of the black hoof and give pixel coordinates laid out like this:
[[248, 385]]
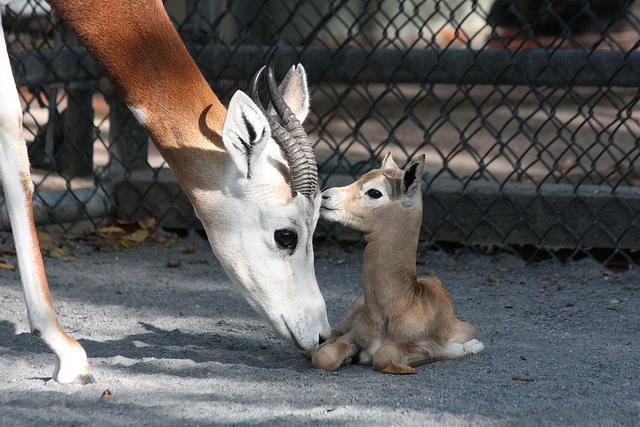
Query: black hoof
[[85, 379]]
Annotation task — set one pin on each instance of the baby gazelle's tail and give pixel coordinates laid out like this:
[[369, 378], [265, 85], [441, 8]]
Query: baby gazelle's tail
[[464, 341]]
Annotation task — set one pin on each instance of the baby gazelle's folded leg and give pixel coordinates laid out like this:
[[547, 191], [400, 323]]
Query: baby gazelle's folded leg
[[400, 357], [333, 355]]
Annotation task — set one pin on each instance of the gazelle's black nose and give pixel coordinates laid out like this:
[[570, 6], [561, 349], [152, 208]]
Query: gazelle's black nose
[[322, 339]]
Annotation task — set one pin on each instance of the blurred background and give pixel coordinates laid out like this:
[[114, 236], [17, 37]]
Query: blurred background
[[526, 111]]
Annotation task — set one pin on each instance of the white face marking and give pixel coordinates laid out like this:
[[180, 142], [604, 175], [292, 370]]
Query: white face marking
[[277, 281], [376, 192]]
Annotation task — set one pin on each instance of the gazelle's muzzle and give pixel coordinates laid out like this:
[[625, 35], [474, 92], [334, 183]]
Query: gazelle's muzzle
[[305, 330]]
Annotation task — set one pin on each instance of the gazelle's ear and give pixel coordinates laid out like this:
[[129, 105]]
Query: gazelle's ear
[[295, 92], [388, 162], [411, 179], [245, 134]]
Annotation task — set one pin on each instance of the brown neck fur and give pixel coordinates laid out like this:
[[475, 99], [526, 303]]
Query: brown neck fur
[[389, 270], [136, 45]]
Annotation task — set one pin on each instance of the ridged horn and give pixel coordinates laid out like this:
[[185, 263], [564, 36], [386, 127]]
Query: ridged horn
[[295, 142], [291, 149]]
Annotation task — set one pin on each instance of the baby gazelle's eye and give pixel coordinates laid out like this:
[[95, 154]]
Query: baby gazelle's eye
[[374, 194]]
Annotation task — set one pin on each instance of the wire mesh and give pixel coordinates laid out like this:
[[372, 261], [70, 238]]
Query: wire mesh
[[526, 110]]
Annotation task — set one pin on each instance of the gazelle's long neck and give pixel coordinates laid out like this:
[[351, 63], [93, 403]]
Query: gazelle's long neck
[[136, 45], [389, 270]]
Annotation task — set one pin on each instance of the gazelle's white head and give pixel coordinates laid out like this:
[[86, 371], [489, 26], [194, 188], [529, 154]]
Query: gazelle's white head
[[262, 230], [380, 199]]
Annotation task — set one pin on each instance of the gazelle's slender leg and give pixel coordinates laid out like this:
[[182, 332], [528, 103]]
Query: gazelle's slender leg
[[71, 359]]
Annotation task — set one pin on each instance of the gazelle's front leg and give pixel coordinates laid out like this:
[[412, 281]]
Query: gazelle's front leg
[[341, 345], [71, 359]]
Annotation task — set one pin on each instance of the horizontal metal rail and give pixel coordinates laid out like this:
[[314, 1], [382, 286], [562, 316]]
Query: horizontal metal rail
[[530, 67], [551, 215], [488, 213], [68, 206]]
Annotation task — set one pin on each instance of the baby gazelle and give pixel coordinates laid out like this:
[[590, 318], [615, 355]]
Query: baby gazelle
[[401, 321]]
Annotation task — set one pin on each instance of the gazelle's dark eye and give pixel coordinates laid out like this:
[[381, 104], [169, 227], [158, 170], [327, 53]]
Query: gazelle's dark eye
[[286, 239], [374, 194]]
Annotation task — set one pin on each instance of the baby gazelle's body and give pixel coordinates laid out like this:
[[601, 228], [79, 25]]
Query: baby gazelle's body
[[401, 320]]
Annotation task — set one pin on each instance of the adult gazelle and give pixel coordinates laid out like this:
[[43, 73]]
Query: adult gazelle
[[258, 206]]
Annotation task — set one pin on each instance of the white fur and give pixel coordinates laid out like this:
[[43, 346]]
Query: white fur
[[140, 113]]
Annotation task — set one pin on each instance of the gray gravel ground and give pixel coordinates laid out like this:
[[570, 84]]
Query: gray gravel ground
[[179, 346]]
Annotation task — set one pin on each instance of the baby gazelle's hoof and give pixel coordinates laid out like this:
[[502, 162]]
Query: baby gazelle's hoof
[[473, 347], [330, 356], [391, 358]]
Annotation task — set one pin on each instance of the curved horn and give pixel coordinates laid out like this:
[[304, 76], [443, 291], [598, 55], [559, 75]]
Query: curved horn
[[304, 169], [253, 89], [293, 153]]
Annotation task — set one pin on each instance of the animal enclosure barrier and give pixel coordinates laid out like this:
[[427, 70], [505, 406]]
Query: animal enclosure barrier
[[526, 111]]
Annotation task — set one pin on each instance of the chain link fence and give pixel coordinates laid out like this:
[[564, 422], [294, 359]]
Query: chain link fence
[[525, 109]]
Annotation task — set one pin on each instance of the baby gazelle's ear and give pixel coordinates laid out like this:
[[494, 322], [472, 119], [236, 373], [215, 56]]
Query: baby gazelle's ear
[[411, 179], [388, 162]]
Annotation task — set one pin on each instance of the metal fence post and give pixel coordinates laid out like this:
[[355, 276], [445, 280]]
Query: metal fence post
[[76, 154], [128, 141]]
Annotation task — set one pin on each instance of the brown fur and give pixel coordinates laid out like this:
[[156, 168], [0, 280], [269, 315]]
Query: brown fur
[[401, 320]]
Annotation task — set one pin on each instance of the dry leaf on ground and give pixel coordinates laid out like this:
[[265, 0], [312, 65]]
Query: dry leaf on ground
[[8, 266], [516, 378], [49, 248], [399, 369], [123, 234]]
